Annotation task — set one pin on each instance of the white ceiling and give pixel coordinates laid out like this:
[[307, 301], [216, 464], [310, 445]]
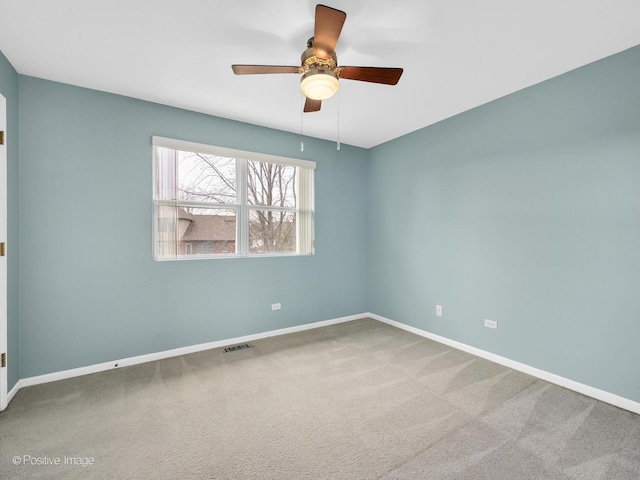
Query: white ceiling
[[456, 54]]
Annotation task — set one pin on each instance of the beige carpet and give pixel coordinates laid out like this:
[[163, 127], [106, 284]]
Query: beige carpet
[[360, 400]]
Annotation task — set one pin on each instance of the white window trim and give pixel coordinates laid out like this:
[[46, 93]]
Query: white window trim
[[306, 204], [185, 146]]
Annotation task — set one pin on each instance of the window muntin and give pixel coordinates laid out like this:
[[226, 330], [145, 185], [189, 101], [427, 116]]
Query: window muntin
[[226, 203]]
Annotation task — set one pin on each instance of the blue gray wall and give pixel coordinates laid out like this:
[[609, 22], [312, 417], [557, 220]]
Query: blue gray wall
[[525, 211], [9, 89], [90, 291]]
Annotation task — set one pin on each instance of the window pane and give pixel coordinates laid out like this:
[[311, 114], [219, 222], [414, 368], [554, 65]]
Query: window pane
[[271, 184], [206, 178], [272, 231], [206, 231]]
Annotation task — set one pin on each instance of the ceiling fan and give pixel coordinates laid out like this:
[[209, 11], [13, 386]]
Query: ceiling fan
[[319, 67]]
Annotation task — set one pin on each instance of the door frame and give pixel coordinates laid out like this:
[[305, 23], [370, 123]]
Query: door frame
[[3, 259]]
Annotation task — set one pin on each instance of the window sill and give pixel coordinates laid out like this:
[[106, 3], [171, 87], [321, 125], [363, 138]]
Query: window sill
[[233, 255]]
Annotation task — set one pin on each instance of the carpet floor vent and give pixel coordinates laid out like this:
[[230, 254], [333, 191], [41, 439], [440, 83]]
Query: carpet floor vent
[[237, 347]]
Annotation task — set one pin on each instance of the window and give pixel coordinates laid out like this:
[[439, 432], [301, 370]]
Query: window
[[216, 202]]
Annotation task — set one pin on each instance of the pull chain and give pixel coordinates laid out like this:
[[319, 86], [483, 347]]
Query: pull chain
[[302, 123], [338, 143]]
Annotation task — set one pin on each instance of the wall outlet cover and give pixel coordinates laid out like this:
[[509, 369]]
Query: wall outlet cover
[[491, 324]]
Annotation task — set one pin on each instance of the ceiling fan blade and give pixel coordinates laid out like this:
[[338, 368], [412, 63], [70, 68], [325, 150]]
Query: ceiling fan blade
[[387, 76], [258, 69], [312, 105], [329, 22]]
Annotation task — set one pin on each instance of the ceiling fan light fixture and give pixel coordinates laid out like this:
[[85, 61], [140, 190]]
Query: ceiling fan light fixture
[[319, 63], [319, 84]]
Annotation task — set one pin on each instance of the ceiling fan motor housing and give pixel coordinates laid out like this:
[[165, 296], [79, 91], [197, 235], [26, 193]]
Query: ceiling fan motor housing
[[310, 60]]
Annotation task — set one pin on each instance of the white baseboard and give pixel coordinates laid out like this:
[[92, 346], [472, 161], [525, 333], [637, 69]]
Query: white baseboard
[[13, 391], [587, 390], [151, 357]]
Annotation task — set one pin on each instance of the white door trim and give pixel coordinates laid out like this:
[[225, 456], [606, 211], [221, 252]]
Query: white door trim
[[3, 260]]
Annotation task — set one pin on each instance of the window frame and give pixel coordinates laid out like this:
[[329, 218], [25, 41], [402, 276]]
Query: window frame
[[304, 210]]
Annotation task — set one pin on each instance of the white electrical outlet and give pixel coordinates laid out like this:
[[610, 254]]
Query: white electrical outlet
[[276, 306], [439, 310], [491, 324]]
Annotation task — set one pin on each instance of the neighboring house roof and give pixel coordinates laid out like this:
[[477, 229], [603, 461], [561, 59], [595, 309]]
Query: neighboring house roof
[[204, 228], [183, 214]]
